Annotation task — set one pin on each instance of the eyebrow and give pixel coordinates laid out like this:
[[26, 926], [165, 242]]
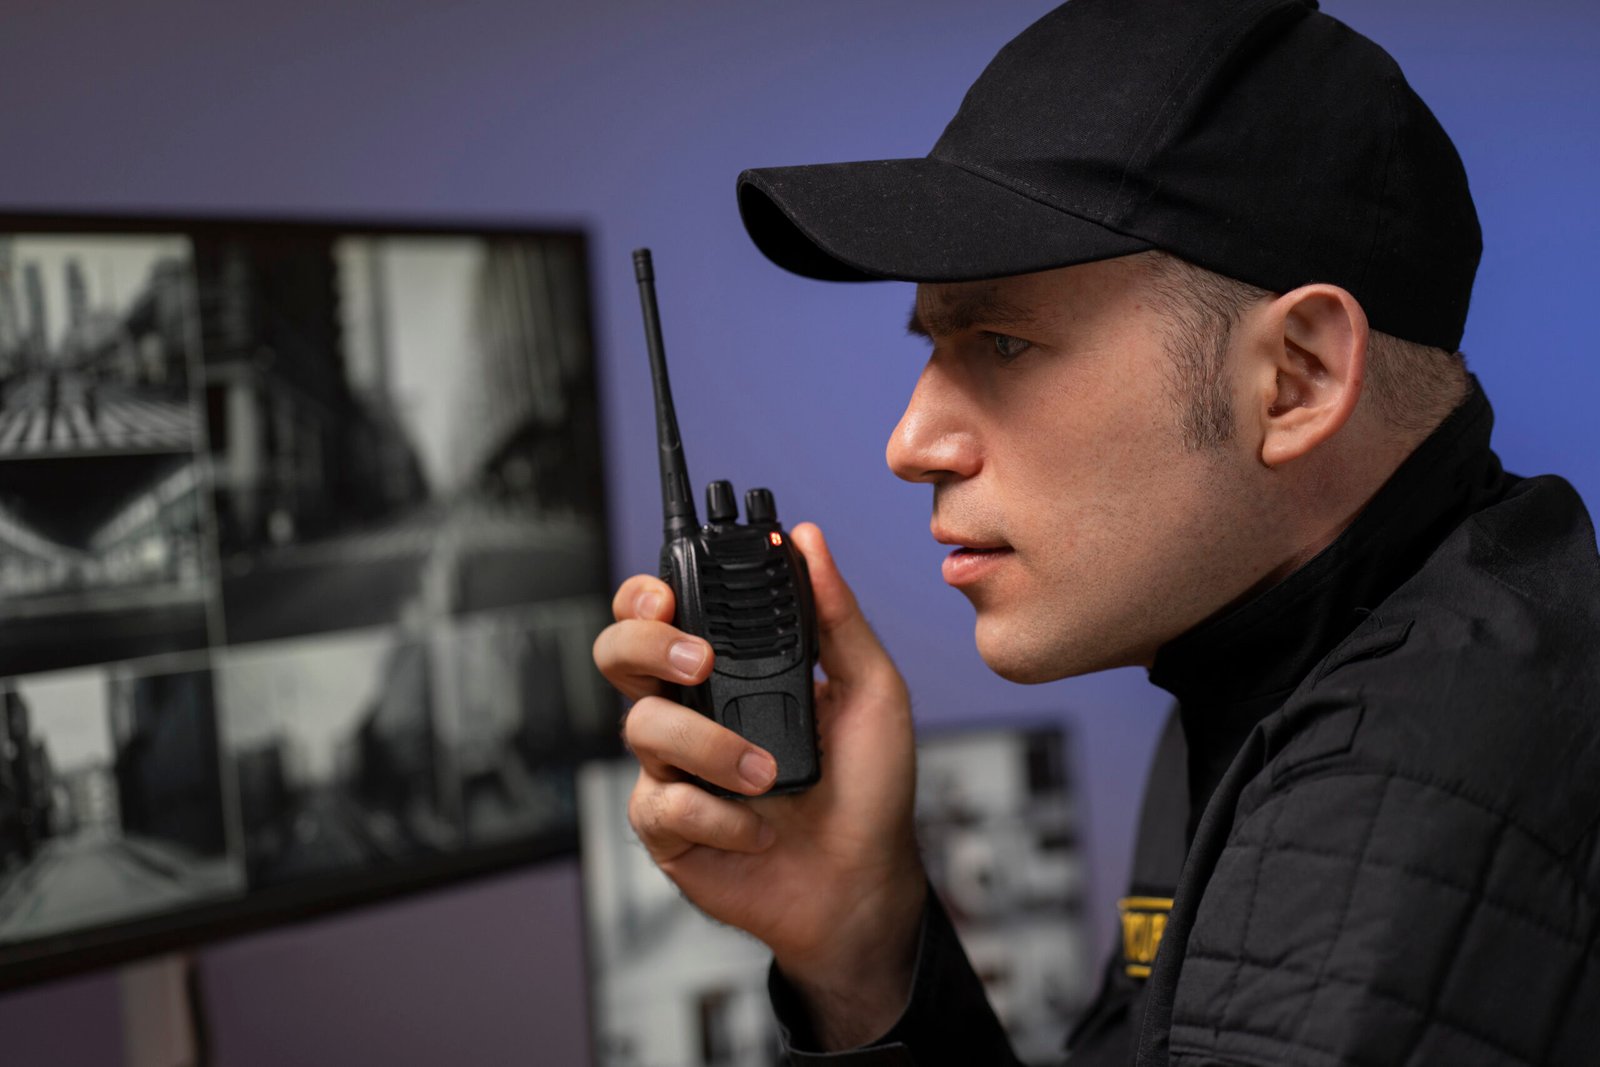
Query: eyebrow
[[966, 311]]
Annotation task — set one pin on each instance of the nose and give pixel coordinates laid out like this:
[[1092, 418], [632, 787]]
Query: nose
[[935, 439]]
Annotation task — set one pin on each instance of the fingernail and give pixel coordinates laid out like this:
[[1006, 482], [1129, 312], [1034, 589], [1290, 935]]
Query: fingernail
[[647, 604], [687, 656], [766, 836], [757, 769]]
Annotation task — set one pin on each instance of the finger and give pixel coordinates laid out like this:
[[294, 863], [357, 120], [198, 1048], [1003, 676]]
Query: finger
[[643, 596], [669, 738], [637, 656], [673, 817], [850, 650]]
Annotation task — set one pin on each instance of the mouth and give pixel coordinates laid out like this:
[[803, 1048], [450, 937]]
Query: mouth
[[966, 566], [972, 559]]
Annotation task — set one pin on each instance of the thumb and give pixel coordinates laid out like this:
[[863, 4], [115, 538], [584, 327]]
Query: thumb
[[850, 650]]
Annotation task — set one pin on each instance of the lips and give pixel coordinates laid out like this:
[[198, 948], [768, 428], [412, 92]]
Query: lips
[[966, 566], [973, 558]]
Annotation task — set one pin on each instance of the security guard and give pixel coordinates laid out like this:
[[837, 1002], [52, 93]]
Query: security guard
[[1194, 274]]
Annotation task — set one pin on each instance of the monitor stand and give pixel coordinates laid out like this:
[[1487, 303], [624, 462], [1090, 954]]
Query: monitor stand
[[163, 1021]]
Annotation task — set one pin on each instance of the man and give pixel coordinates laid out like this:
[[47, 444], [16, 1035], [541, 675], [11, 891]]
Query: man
[[1194, 273]]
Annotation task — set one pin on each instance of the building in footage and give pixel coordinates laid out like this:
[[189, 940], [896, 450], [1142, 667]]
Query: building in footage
[[297, 454], [25, 783], [144, 346], [534, 405], [168, 776]]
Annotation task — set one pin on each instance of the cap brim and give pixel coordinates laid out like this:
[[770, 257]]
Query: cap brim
[[916, 220]]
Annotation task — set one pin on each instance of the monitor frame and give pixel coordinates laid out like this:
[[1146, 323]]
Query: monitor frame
[[254, 910]]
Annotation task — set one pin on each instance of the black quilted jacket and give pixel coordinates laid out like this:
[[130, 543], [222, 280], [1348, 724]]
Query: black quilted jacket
[[1379, 823]]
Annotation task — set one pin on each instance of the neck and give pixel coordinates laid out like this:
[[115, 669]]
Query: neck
[[1358, 530], [1322, 494]]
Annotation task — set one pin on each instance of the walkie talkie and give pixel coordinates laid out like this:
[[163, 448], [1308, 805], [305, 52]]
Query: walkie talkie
[[744, 588]]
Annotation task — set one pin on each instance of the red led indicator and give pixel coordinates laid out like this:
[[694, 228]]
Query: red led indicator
[[775, 537]]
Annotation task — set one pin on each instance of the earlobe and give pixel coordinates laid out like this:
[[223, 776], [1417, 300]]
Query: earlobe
[[1318, 354]]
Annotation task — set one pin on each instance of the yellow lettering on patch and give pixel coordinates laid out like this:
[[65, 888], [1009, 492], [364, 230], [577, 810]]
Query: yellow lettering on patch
[[1144, 920]]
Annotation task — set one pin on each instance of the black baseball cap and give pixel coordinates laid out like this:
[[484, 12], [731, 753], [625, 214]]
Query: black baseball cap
[[1261, 139]]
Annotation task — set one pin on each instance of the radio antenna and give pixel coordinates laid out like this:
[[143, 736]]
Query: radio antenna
[[677, 505]]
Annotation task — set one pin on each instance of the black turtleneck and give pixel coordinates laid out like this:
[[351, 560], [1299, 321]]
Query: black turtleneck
[[1234, 669]]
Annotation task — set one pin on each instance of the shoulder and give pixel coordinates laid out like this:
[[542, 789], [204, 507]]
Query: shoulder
[[1479, 677], [1360, 916], [1412, 874]]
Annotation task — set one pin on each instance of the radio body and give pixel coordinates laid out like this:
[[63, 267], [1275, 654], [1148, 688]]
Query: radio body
[[744, 588]]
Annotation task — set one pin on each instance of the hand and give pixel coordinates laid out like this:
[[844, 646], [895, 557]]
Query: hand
[[829, 879]]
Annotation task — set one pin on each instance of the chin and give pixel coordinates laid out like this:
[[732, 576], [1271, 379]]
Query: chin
[[1027, 656]]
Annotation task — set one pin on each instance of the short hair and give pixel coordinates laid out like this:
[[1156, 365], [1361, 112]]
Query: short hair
[[1412, 386]]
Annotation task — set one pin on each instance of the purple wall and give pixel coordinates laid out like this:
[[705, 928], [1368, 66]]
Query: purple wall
[[633, 119], [490, 974]]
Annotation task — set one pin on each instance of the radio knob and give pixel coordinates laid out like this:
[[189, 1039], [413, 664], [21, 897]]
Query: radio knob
[[759, 507], [719, 502]]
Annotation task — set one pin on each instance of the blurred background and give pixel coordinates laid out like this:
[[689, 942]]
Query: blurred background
[[632, 120]]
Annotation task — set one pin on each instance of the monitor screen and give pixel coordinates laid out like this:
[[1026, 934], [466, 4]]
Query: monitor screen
[[302, 551], [998, 821]]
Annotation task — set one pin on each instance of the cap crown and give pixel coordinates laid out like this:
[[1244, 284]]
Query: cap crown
[[1261, 139]]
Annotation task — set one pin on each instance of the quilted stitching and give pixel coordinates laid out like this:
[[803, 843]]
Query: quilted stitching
[[1511, 911], [1344, 911], [1250, 912], [1428, 1014], [1213, 1017]]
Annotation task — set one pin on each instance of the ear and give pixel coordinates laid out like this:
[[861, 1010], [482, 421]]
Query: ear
[[1313, 344]]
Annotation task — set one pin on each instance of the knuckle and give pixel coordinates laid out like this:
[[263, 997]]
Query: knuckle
[[616, 648], [635, 646], [682, 805], [681, 736], [645, 811], [636, 813]]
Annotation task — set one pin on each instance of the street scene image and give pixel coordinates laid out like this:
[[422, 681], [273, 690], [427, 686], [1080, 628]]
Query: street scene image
[[528, 707], [335, 754], [101, 558], [100, 499], [394, 421], [96, 338], [997, 820], [110, 799]]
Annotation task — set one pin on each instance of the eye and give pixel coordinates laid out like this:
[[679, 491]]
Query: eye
[[1007, 347]]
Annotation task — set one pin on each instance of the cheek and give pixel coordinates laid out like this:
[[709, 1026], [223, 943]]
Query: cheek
[[1120, 538], [1105, 486]]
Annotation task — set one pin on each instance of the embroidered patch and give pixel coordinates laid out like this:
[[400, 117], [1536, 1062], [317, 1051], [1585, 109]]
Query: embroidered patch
[[1144, 920]]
